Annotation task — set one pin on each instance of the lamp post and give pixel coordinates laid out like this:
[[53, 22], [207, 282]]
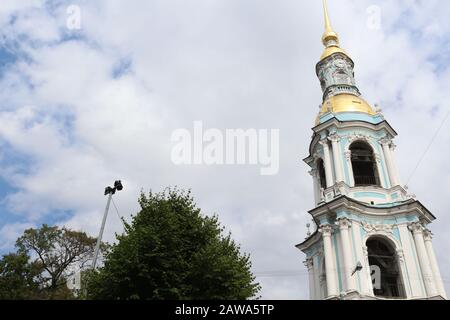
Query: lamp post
[[109, 191]]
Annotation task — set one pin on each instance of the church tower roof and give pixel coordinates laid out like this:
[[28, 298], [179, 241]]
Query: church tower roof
[[336, 75], [330, 38]]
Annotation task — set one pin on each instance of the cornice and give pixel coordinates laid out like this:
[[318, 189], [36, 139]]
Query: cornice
[[361, 208]]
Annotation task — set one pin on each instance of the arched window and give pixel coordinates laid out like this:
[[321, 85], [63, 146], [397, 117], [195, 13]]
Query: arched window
[[364, 165], [322, 176], [383, 259]]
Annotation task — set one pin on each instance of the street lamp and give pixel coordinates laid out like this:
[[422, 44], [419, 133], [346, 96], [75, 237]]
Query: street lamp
[[109, 191]]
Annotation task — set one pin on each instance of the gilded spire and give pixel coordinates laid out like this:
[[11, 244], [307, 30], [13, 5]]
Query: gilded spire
[[330, 38], [327, 17]]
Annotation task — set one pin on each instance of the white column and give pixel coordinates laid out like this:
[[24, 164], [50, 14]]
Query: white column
[[412, 271], [323, 285], [344, 224], [327, 163], [316, 185], [368, 275], [330, 265], [361, 257], [385, 143], [401, 263], [348, 157], [417, 230], [381, 175], [334, 138], [312, 286], [428, 236], [394, 163], [317, 284]]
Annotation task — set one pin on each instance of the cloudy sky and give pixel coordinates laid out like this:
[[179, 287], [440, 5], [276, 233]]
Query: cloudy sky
[[80, 108]]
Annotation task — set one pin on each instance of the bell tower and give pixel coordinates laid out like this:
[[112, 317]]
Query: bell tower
[[373, 238]]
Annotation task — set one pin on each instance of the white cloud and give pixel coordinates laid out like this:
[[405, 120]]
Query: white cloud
[[10, 233]]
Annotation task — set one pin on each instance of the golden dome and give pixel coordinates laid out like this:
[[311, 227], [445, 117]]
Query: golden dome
[[330, 50], [346, 103]]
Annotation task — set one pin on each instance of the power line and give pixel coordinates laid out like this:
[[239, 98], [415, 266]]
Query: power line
[[428, 148]]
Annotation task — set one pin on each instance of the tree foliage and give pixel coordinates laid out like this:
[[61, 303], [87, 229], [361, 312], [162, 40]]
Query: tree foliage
[[171, 251], [57, 249], [19, 278], [40, 267]]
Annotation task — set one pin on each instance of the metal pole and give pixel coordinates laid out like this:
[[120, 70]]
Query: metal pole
[[99, 239]]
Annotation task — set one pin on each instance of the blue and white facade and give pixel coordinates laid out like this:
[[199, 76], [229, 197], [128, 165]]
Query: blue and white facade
[[373, 238]]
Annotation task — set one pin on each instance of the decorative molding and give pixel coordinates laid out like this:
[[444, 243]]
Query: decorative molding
[[378, 109], [348, 156], [317, 156], [393, 146], [416, 228], [358, 136], [378, 157], [324, 142], [385, 141], [333, 130], [427, 235], [400, 255], [337, 190], [326, 230], [313, 173], [378, 228], [322, 195], [335, 138], [409, 195], [309, 264], [365, 252], [343, 223]]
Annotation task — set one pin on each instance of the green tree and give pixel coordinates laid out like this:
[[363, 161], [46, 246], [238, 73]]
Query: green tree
[[171, 251], [19, 278], [56, 249]]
